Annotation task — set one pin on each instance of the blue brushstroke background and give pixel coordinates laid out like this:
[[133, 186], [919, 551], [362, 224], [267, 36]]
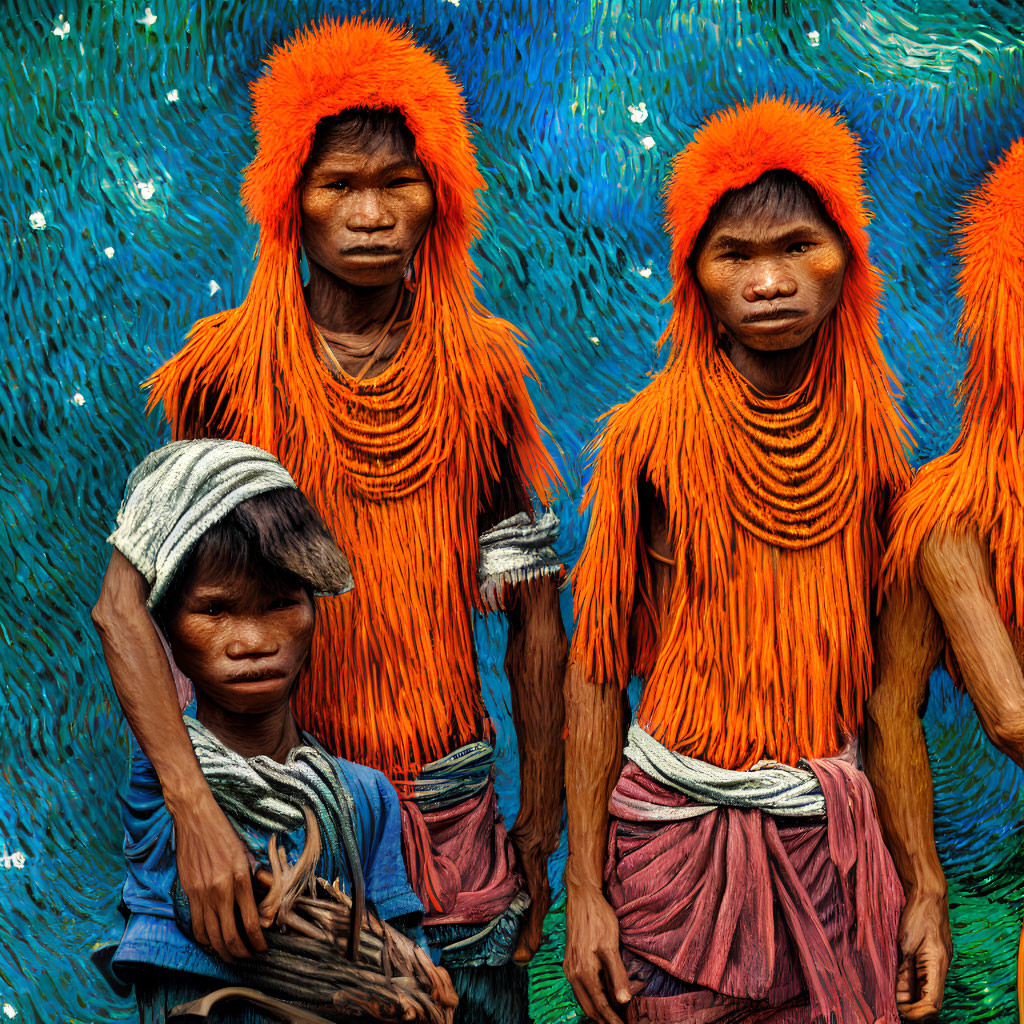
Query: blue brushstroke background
[[125, 134]]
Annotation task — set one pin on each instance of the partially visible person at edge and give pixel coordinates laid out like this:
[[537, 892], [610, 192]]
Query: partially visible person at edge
[[232, 555], [958, 550], [732, 867], [399, 405]]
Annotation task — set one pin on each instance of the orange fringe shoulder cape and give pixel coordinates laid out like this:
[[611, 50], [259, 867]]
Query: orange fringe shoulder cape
[[978, 486], [776, 506], [399, 466]]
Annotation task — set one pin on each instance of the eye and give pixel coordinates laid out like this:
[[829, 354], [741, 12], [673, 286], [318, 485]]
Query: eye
[[733, 255], [401, 182], [213, 608], [282, 602], [339, 186], [799, 247]]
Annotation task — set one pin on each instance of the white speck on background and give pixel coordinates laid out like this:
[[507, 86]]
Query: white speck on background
[[11, 860], [37, 220], [214, 287], [10, 1011], [638, 114], [647, 142], [149, 18], [813, 38], [78, 398], [172, 96], [109, 252], [146, 189], [63, 28]]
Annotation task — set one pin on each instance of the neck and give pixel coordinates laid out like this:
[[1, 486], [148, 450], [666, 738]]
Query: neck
[[272, 734], [771, 373], [341, 308]]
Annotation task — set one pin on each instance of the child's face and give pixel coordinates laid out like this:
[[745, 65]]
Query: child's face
[[240, 643]]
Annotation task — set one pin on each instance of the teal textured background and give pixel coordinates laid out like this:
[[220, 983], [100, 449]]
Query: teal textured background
[[125, 135]]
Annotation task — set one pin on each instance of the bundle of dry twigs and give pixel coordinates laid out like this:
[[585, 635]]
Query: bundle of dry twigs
[[328, 959]]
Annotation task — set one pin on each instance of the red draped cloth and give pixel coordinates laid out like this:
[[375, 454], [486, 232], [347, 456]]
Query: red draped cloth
[[738, 916], [460, 860]]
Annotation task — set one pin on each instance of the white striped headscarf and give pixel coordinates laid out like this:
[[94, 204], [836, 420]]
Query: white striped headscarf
[[180, 491]]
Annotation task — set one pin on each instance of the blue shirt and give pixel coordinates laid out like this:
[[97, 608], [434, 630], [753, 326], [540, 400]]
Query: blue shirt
[[152, 937]]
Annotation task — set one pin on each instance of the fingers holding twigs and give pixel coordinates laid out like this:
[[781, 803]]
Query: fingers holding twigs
[[309, 924]]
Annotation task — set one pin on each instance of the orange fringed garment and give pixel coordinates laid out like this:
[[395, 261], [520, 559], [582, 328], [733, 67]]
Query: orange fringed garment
[[978, 486], [776, 506], [398, 466]]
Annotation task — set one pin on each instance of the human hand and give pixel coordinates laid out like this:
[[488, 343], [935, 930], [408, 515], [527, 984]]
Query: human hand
[[593, 963], [214, 871], [533, 865], [926, 948]]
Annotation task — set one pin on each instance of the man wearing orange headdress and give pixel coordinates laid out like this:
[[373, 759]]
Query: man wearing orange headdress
[[732, 867], [398, 404], [956, 550]]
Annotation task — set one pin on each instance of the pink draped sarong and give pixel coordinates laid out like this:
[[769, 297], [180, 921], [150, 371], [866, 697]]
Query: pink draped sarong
[[460, 860], [738, 916]]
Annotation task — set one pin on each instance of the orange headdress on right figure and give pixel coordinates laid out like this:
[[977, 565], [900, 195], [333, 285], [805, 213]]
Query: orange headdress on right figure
[[979, 484]]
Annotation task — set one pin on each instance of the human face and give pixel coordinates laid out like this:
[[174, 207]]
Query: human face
[[240, 643], [365, 210], [770, 281]]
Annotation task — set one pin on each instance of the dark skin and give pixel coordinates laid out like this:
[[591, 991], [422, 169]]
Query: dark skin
[[364, 213], [896, 760], [954, 594], [242, 647], [769, 282], [212, 864]]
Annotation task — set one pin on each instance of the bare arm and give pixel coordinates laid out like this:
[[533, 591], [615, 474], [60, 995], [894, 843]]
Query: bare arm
[[956, 572], [535, 663], [593, 963], [212, 864], [896, 757]]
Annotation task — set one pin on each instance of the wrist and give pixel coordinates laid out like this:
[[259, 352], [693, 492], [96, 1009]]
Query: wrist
[[189, 800], [582, 882], [929, 890]]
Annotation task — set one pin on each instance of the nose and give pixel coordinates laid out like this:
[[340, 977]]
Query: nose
[[769, 279], [251, 639], [369, 211]]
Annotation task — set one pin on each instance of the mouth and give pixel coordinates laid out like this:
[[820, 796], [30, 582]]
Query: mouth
[[263, 676], [371, 252], [772, 316], [772, 321]]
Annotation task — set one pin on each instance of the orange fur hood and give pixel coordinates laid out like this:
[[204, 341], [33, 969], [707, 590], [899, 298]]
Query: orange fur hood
[[338, 65], [733, 149]]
